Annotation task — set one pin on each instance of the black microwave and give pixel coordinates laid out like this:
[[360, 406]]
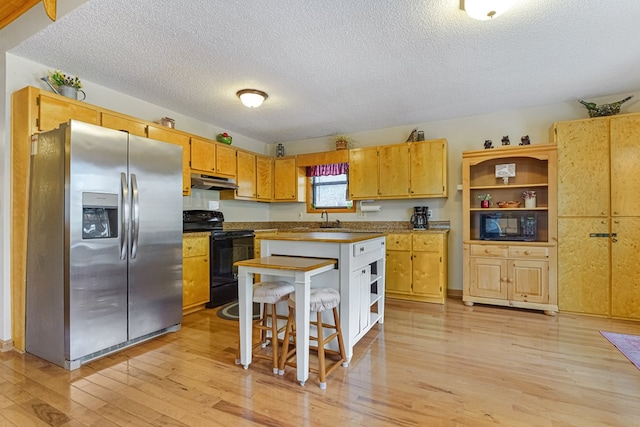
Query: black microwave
[[508, 226]]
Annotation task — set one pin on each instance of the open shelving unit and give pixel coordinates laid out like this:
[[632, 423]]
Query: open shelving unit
[[511, 271]]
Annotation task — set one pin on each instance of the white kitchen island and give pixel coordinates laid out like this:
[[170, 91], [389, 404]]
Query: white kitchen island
[[359, 276]]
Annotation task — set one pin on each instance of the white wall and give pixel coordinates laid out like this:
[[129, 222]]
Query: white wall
[[464, 133]]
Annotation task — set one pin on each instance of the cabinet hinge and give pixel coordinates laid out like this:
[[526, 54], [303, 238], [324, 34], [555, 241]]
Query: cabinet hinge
[[38, 123], [38, 101]]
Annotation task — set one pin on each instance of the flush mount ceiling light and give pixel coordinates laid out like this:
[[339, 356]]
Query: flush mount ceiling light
[[485, 9], [252, 98]]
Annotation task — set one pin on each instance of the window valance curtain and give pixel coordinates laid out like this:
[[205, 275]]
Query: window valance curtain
[[328, 170]]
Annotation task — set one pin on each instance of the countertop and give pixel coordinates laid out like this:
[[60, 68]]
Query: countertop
[[322, 236], [196, 234]]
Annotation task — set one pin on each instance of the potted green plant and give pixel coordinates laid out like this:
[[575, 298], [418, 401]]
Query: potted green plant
[[485, 200], [59, 78], [64, 84]]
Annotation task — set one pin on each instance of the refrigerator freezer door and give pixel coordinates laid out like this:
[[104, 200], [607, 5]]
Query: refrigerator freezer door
[[97, 285], [155, 248]]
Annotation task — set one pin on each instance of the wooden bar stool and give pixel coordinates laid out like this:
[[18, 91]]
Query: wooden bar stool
[[321, 299], [269, 294]]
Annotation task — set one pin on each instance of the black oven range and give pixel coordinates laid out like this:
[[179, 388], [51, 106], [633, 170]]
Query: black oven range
[[226, 247]]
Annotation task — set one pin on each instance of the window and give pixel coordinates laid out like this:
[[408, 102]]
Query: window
[[327, 189]]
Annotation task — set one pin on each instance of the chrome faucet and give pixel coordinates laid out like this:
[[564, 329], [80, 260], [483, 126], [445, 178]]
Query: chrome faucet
[[322, 215]]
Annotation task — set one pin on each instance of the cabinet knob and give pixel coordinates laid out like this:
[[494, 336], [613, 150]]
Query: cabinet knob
[[527, 252], [486, 251]]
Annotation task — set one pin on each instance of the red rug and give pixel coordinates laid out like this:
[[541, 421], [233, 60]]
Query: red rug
[[629, 345]]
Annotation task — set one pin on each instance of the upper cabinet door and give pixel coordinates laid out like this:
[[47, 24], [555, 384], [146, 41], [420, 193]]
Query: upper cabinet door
[[54, 111], [625, 173], [203, 156], [429, 168], [246, 175], [363, 173], [124, 124], [393, 166], [225, 161], [264, 178], [583, 168]]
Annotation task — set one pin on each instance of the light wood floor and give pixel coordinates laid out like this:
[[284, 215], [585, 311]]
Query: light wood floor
[[428, 365]]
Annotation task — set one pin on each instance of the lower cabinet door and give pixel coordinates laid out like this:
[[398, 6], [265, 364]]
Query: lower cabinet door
[[625, 270], [427, 278], [398, 271], [488, 277], [583, 265], [528, 281]]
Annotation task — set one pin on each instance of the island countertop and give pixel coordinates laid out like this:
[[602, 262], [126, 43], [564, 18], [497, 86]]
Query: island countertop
[[320, 236]]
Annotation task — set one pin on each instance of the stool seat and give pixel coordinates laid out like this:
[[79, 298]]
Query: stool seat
[[320, 299], [271, 292]]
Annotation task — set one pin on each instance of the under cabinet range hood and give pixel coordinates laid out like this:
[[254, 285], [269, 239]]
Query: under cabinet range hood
[[207, 182]]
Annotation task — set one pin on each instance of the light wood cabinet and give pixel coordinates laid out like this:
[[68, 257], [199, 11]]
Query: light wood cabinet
[[195, 272], [399, 171], [417, 266], [288, 180], [212, 158], [246, 175], [177, 138], [363, 173], [254, 178], [203, 156], [55, 109], [518, 274], [503, 270], [264, 178], [393, 171], [599, 215], [429, 168], [113, 121]]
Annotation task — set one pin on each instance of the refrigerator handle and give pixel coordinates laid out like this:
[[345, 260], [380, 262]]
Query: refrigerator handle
[[135, 216], [124, 214]]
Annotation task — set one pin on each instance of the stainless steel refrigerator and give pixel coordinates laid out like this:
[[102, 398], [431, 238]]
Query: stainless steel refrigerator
[[104, 248]]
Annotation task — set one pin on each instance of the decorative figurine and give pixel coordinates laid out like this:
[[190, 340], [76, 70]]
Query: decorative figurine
[[604, 109], [280, 150], [488, 144], [505, 140], [525, 140], [413, 136]]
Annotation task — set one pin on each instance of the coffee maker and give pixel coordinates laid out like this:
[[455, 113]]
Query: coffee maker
[[420, 218]]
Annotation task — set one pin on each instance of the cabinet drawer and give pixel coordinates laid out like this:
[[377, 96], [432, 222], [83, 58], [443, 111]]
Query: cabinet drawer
[[368, 246], [482, 250], [195, 246], [528, 252], [399, 242], [426, 242]]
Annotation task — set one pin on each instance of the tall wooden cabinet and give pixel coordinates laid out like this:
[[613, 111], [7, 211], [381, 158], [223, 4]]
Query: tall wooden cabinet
[[599, 215], [510, 270]]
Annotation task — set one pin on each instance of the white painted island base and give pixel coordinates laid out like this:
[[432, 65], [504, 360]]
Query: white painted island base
[[359, 277]]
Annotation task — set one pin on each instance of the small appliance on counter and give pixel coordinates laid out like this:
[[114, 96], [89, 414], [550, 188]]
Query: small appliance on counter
[[225, 248], [420, 218]]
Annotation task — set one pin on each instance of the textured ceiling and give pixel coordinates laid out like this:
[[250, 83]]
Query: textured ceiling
[[340, 66]]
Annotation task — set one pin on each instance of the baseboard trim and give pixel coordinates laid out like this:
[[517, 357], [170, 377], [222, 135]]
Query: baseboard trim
[[6, 346], [454, 293]]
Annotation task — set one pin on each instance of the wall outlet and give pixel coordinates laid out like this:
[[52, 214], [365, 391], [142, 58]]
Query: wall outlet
[[429, 213], [299, 215], [361, 214]]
